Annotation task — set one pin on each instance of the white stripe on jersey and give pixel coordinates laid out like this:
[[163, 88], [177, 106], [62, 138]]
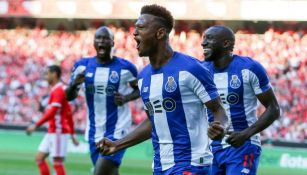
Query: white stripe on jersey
[[221, 81], [197, 125], [162, 129], [101, 79], [123, 123], [56, 104], [253, 79], [250, 101]]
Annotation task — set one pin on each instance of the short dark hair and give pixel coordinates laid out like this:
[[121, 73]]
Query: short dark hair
[[56, 69], [162, 13]]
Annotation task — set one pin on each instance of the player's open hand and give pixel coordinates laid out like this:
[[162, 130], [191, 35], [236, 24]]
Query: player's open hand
[[30, 129], [236, 139], [119, 99], [216, 131], [74, 139], [106, 146]]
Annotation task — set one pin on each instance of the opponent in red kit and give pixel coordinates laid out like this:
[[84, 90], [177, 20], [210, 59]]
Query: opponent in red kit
[[59, 116]]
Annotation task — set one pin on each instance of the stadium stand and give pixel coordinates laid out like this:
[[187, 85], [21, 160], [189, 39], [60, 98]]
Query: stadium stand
[[25, 52]]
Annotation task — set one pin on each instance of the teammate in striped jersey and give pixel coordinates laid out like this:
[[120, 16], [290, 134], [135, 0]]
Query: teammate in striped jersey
[[240, 82], [110, 82], [175, 92], [59, 116]]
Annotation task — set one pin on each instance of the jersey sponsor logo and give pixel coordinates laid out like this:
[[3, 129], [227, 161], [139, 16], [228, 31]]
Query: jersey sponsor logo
[[232, 98], [168, 104], [114, 78], [235, 82], [170, 85], [100, 89], [110, 90]]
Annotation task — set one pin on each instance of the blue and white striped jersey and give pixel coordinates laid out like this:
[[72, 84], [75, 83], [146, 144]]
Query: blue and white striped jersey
[[238, 84], [105, 119], [174, 96]]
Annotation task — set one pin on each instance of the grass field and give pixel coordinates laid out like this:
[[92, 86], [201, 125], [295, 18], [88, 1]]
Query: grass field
[[17, 153]]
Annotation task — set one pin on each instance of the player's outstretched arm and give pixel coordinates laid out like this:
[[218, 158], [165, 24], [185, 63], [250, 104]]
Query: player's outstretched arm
[[217, 129], [271, 113], [120, 99], [71, 92], [141, 133]]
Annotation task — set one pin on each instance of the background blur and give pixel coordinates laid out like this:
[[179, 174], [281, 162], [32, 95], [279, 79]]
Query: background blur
[[37, 33]]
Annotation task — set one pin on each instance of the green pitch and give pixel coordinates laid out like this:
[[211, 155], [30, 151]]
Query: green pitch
[[17, 153]]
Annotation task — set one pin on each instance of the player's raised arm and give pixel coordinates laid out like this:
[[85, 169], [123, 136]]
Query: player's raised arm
[[141, 133], [77, 78]]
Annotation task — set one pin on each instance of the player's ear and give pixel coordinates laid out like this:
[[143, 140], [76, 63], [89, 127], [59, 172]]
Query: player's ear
[[227, 44], [161, 33]]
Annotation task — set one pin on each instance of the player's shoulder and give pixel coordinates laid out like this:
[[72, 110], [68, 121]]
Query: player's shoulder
[[58, 89], [145, 71], [247, 62], [84, 61], [194, 65], [124, 62]]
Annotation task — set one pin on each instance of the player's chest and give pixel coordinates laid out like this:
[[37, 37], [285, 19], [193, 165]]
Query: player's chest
[[160, 92], [231, 86], [102, 81]]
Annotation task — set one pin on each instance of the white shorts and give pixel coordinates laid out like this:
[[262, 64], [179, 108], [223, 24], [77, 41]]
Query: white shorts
[[54, 144]]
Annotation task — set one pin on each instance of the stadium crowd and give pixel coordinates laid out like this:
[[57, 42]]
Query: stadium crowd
[[24, 53]]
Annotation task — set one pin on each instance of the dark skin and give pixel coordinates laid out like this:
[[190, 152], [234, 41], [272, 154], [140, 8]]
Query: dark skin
[[218, 43], [103, 43], [152, 41]]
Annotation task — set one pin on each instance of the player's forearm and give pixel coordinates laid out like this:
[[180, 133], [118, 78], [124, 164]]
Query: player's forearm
[[50, 113], [271, 113], [218, 111], [71, 92], [141, 133], [220, 116], [133, 95]]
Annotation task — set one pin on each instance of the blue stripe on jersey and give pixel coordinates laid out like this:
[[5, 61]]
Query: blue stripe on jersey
[[177, 122], [238, 117], [90, 91], [111, 106]]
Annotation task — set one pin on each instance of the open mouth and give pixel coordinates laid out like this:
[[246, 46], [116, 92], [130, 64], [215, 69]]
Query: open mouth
[[101, 50], [138, 43], [207, 50]]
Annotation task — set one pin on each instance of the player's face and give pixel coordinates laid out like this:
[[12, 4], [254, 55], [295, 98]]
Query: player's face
[[49, 76], [103, 43], [212, 44], [145, 35]]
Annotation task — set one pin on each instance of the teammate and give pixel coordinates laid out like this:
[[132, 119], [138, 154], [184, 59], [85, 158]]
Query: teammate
[[110, 82], [240, 82], [59, 116], [174, 90]]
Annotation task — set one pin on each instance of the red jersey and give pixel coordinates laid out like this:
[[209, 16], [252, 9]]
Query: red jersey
[[58, 112]]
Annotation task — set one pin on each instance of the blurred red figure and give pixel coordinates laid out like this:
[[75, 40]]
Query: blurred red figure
[[59, 116]]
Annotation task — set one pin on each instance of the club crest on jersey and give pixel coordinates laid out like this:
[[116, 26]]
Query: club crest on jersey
[[170, 85], [114, 78], [235, 82]]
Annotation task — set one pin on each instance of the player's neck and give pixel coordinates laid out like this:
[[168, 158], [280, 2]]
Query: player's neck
[[162, 56], [104, 60], [223, 61], [55, 82]]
